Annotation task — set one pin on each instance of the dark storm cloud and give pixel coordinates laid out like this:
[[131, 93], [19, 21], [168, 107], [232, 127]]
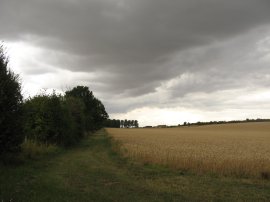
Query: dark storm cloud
[[133, 43], [124, 32]]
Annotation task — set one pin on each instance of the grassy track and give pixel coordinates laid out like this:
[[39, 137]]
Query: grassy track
[[93, 172]]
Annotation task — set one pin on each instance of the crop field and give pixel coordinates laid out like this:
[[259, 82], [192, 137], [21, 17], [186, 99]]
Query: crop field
[[227, 149]]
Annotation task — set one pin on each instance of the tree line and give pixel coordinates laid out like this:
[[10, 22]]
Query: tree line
[[45, 118], [116, 123], [200, 123]]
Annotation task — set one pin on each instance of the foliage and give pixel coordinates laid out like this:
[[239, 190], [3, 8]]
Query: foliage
[[115, 123], [10, 107], [63, 120], [43, 117], [46, 120], [95, 113], [75, 108]]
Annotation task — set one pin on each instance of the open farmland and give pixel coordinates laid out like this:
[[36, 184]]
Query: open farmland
[[228, 149]]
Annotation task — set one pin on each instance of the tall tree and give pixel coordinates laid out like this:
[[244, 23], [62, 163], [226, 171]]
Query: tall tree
[[118, 124], [132, 123], [136, 124], [95, 113], [128, 123], [10, 107], [75, 108], [125, 123]]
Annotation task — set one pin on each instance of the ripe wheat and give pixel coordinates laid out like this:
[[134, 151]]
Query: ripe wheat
[[229, 149]]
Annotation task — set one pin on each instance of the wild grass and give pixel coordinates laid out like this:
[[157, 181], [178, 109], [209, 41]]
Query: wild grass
[[229, 150], [33, 150]]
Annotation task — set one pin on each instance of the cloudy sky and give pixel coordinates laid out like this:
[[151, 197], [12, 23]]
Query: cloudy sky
[[161, 62]]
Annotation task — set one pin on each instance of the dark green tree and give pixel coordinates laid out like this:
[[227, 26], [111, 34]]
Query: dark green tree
[[118, 124], [136, 124], [112, 123], [47, 120], [132, 123], [125, 123], [75, 108], [129, 123], [95, 113], [11, 135]]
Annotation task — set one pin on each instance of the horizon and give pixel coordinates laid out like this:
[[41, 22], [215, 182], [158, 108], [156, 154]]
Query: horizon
[[201, 123]]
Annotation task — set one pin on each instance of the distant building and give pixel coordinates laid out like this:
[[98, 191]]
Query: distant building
[[148, 127], [162, 126]]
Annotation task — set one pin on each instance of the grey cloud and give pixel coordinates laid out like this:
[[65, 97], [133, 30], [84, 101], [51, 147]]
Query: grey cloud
[[124, 32], [135, 46]]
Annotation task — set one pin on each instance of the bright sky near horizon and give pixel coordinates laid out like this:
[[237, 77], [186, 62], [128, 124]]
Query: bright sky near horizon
[[160, 62]]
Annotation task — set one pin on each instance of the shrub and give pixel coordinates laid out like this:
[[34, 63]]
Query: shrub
[[46, 120], [53, 119]]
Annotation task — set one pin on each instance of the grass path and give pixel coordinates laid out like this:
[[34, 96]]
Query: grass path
[[93, 172]]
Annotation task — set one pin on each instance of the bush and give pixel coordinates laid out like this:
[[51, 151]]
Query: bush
[[53, 119], [46, 121], [11, 135]]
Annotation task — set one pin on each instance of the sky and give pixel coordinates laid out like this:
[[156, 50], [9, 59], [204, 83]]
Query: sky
[[160, 62]]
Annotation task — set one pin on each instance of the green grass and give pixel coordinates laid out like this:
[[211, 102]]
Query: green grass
[[92, 171]]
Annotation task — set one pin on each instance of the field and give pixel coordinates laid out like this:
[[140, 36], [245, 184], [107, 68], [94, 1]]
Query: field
[[227, 149], [93, 171]]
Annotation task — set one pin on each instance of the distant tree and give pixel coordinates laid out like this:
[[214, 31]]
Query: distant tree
[[136, 124], [125, 123], [113, 123], [132, 123], [118, 125], [11, 134], [128, 123]]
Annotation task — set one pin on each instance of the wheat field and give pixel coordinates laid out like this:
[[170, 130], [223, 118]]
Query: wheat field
[[227, 149]]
